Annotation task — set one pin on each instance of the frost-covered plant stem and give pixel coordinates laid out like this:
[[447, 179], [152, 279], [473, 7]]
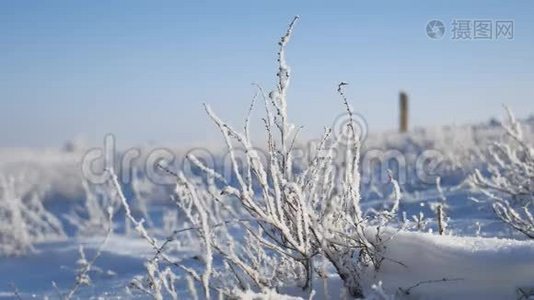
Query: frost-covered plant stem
[[440, 209], [279, 99], [510, 184], [82, 276], [154, 290], [23, 218]]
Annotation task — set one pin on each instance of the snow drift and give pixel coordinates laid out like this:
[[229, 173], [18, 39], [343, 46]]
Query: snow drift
[[449, 267]]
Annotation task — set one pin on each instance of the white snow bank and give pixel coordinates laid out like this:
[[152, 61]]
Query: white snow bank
[[478, 268], [266, 295]]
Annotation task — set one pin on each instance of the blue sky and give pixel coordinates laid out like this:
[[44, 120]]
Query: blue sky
[[142, 69]]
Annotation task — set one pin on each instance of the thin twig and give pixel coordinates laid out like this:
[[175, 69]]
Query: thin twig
[[408, 290]]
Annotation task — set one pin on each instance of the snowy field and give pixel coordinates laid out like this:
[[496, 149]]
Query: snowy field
[[436, 213], [478, 257]]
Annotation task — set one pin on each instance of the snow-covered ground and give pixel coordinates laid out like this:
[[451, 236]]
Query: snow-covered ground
[[479, 257]]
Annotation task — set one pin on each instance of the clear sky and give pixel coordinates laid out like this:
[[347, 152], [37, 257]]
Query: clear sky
[[141, 69]]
